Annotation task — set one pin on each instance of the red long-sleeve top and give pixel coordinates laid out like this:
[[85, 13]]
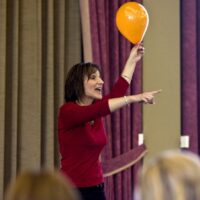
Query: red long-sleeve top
[[81, 142]]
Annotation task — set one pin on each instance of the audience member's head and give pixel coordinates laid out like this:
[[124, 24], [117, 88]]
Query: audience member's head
[[42, 185], [172, 175]]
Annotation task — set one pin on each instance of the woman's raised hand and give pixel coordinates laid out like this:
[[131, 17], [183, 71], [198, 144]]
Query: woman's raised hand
[[136, 54]]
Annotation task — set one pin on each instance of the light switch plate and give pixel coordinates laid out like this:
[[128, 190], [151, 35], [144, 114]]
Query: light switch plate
[[140, 138], [185, 141]]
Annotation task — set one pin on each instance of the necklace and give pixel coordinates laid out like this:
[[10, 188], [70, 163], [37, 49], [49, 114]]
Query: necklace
[[91, 122]]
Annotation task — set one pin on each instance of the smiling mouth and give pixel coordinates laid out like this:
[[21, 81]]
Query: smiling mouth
[[98, 90]]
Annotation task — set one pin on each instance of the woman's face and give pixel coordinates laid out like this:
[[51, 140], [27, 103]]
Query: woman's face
[[92, 87]]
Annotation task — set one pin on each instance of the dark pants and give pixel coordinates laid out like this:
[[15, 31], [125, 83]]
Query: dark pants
[[93, 193]]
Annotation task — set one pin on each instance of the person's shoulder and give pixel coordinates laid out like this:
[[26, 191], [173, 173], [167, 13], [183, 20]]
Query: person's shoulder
[[67, 106]]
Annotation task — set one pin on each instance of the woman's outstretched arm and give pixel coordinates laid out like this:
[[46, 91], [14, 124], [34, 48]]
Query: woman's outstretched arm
[[146, 97]]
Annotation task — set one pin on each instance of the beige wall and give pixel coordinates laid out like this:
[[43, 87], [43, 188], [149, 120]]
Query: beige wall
[[161, 70]]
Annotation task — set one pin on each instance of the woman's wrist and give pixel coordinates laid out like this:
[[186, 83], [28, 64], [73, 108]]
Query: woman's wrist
[[126, 100], [136, 98]]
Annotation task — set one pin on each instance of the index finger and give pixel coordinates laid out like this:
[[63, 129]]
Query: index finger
[[156, 91]]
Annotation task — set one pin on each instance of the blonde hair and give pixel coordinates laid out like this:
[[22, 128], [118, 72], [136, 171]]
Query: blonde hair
[[44, 185], [173, 175]]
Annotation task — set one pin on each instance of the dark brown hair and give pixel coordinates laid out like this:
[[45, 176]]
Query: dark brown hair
[[74, 88]]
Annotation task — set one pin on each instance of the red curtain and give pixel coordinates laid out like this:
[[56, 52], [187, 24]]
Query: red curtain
[[190, 71], [110, 50]]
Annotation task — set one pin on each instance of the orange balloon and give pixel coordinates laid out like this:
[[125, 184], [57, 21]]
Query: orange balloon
[[132, 21]]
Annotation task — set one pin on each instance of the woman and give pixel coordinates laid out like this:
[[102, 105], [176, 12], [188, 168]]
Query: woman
[[81, 132], [172, 175], [42, 185]]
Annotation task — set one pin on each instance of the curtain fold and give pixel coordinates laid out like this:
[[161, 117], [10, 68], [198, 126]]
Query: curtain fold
[[86, 34], [47, 84], [3, 14], [39, 41], [29, 79]]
